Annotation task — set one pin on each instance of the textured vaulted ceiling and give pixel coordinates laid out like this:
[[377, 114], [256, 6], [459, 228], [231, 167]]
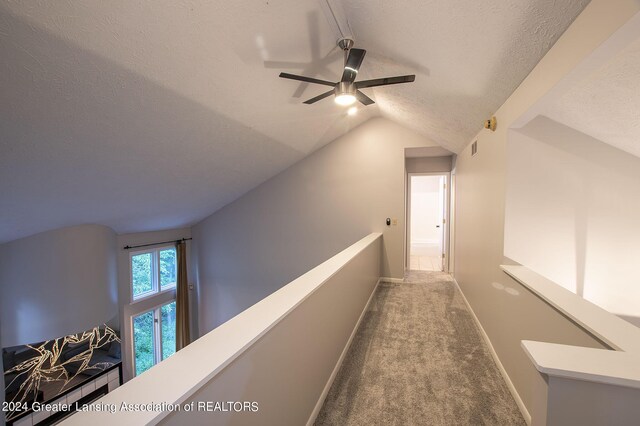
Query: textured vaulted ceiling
[[605, 103], [150, 115]]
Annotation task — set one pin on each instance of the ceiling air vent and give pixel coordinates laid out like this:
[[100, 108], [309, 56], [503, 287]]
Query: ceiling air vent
[[474, 148]]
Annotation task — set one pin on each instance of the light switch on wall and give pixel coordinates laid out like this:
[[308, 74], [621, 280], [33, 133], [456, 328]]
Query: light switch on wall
[[394, 222]]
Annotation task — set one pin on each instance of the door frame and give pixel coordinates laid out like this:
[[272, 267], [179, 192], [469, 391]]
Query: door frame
[[446, 215]]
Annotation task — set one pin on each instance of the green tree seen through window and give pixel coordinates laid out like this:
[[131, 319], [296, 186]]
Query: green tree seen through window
[[143, 342], [168, 320], [141, 273], [168, 268]]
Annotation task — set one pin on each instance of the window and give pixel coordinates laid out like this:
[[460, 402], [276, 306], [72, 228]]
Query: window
[[168, 329], [154, 336], [154, 331], [144, 341], [153, 271]]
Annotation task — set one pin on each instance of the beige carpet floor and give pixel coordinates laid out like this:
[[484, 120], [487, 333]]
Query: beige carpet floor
[[418, 359]]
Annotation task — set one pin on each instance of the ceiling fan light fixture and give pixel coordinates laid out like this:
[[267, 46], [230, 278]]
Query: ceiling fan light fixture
[[345, 93], [345, 99]]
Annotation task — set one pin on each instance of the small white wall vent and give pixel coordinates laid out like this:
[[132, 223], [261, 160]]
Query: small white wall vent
[[474, 148]]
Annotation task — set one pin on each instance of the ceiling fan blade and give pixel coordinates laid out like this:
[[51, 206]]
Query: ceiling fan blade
[[356, 56], [319, 97], [364, 99], [306, 79], [386, 81]]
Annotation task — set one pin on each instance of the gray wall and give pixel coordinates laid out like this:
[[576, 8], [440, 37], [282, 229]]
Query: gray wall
[[428, 164], [2, 415], [509, 317], [276, 370], [57, 283], [576, 402], [303, 216]]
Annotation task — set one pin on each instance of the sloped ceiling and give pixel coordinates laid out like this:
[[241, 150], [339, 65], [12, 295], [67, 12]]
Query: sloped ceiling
[[152, 115], [605, 103]]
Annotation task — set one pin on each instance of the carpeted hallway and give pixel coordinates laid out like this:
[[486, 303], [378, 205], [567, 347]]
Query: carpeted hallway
[[418, 359]]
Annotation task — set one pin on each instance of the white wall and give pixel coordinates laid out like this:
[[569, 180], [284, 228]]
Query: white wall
[[302, 216], [508, 317], [129, 309], [426, 209], [57, 283], [572, 213]]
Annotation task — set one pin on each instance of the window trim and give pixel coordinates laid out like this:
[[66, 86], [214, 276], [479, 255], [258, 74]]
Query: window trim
[[157, 335], [155, 274]]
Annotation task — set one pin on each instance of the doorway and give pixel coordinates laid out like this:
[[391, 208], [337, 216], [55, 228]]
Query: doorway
[[427, 222]]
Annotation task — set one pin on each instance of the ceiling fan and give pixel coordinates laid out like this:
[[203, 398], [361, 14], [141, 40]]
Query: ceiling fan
[[347, 90]]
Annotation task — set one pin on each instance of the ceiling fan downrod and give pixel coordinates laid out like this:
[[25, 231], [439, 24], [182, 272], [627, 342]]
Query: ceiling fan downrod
[[345, 44]]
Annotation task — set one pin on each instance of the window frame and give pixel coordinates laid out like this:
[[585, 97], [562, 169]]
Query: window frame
[[157, 335], [156, 285]]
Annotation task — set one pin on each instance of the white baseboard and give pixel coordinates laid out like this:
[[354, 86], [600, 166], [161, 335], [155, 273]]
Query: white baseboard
[[334, 373], [391, 280], [494, 355]]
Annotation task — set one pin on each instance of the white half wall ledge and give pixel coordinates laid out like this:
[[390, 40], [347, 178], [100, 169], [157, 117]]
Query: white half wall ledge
[[590, 364], [607, 327], [619, 366], [188, 370]]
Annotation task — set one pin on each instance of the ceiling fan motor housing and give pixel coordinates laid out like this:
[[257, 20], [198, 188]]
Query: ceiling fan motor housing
[[345, 88]]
